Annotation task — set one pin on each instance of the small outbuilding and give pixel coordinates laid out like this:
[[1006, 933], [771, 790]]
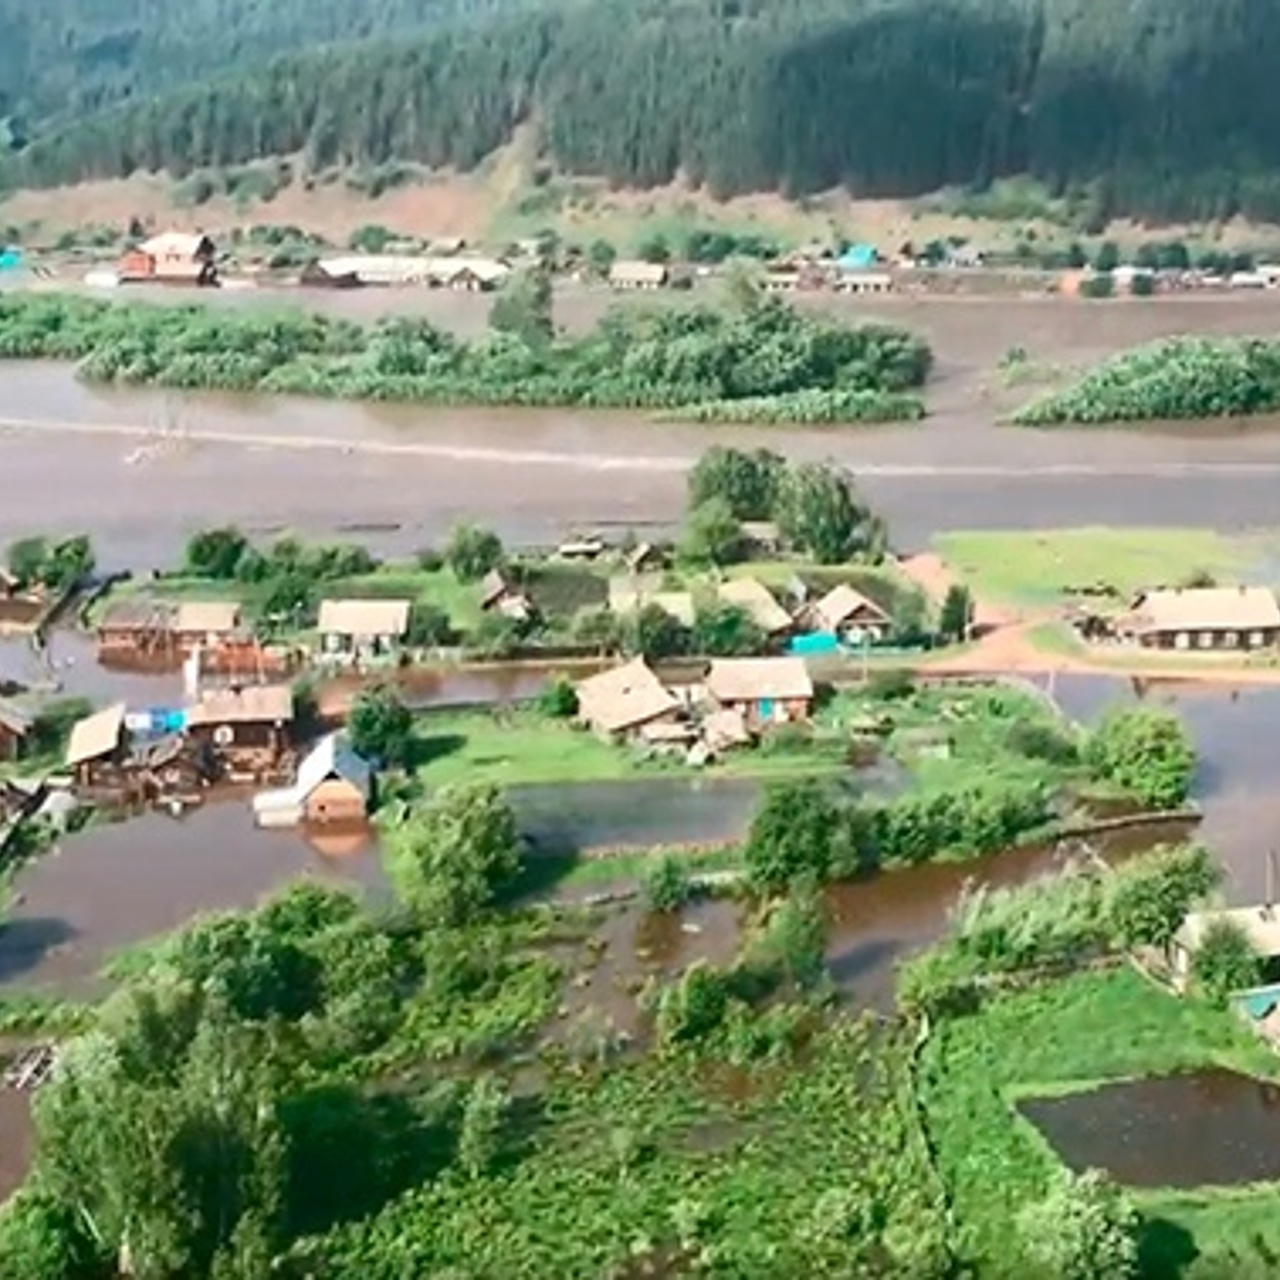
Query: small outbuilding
[[15, 726], [98, 746], [622, 701], [334, 787], [363, 628]]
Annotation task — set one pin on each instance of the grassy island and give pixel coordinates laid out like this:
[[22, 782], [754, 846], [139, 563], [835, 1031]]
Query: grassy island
[[1178, 379], [757, 360]]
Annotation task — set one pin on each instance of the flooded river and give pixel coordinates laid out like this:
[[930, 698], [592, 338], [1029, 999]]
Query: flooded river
[[141, 469]]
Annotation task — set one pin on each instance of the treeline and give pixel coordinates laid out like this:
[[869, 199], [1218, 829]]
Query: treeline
[[1155, 107], [636, 358]]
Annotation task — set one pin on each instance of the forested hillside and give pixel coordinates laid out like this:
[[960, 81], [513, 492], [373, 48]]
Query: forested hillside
[[1162, 106]]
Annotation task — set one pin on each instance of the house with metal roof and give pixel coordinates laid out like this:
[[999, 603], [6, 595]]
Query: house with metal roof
[[1203, 618], [334, 785]]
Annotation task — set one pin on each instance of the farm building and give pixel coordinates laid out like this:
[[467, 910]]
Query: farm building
[[624, 700], [15, 726], [627, 274], [98, 746], [393, 269], [1203, 618], [174, 257], [133, 629], [757, 602], [247, 729], [765, 690], [201, 622], [847, 613], [334, 786], [363, 628]]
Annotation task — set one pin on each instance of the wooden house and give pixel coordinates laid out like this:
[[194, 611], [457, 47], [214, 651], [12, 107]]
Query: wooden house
[[497, 595], [765, 690], [98, 749], [334, 786], [15, 727], [135, 629], [363, 628], [205, 623], [1203, 618], [624, 700], [247, 730], [174, 257], [625, 274], [846, 612], [758, 603]]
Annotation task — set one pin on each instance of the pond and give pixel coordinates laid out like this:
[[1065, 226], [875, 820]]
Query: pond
[[1210, 1128]]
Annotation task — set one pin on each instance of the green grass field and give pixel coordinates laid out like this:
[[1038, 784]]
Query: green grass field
[[1040, 567], [1068, 1036]]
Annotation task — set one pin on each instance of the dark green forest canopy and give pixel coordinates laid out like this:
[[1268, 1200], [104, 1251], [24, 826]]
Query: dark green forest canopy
[[1161, 107]]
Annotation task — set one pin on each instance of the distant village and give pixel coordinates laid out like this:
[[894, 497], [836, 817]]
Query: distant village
[[194, 259]]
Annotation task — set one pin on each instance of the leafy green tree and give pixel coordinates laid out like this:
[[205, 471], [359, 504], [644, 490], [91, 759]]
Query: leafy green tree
[[27, 558], [1142, 286], [747, 480], [430, 626], [472, 551], [1225, 961], [712, 535], [524, 307], [791, 835], [1084, 1229], [693, 1007], [380, 726], [792, 939], [655, 248], [667, 884], [654, 633], [723, 630], [1108, 256], [42, 1239], [215, 553], [451, 858], [601, 256], [1146, 751], [956, 614], [820, 512], [1148, 899]]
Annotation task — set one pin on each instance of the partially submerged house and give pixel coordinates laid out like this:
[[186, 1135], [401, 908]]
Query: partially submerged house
[[135, 629], [98, 747], [1203, 618], [173, 257], [334, 786], [15, 728], [624, 700], [757, 602], [205, 622], [848, 614], [362, 628], [764, 690], [632, 274], [246, 730]]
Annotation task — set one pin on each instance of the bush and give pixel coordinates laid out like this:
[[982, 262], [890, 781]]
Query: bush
[[559, 699], [791, 835], [381, 726], [667, 884], [430, 626], [1084, 1229], [1225, 961], [1147, 752], [429, 560]]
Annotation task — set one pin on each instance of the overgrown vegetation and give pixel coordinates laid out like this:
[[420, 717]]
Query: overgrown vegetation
[[1178, 378], [759, 352]]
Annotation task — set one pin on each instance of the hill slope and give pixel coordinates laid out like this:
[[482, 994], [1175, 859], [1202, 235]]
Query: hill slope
[[1160, 107]]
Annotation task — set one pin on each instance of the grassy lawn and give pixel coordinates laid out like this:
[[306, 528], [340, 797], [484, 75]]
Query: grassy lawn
[[508, 748], [1063, 1037], [1040, 567]]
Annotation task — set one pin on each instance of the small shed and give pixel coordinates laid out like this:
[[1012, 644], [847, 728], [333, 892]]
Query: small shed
[[334, 786], [363, 627], [98, 743]]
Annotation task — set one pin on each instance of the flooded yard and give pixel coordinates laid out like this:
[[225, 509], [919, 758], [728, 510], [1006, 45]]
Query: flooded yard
[[1210, 1128]]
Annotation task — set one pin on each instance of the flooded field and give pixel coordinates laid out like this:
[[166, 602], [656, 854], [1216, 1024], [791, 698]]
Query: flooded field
[[1212, 1128], [141, 469]]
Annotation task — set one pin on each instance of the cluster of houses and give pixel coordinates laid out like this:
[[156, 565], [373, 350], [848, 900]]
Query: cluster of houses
[[1191, 618], [727, 705]]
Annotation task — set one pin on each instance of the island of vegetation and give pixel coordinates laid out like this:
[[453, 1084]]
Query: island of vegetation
[[754, 359], [1179, 378]]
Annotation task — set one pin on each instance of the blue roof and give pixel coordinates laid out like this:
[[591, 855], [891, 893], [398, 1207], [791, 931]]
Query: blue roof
[[10, 259], [858, 255]]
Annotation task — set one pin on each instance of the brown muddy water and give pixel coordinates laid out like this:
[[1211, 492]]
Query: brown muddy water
[[1210, 1128], [398, 476]]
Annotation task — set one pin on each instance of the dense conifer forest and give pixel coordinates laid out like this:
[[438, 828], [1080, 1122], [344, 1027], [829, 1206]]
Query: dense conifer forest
[[1157, 107]]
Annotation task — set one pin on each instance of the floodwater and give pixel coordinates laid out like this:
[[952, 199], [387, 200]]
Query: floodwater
[[141, 469], [1210, 1128]]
